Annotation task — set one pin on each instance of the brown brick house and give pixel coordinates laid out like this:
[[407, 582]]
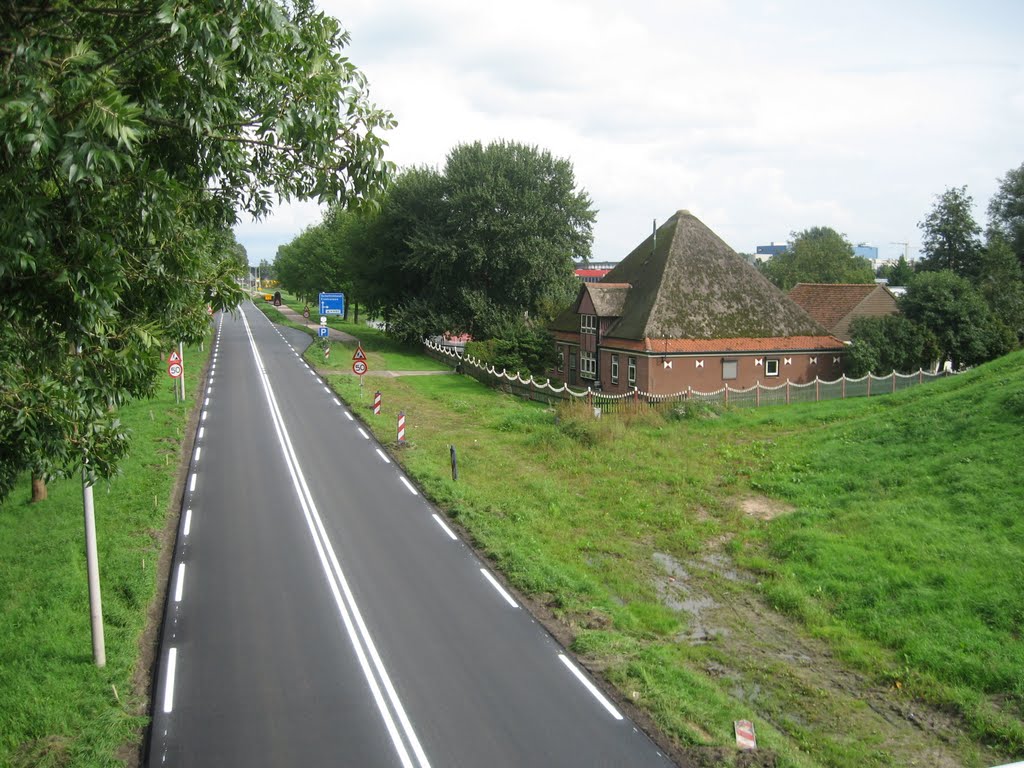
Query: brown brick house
[[684, 311], [835, 306]]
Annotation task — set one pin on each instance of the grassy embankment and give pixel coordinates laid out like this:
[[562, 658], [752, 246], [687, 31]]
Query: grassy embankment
[[903, 549], [56, 707]]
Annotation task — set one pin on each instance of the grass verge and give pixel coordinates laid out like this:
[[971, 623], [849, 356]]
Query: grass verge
[[56, 707]]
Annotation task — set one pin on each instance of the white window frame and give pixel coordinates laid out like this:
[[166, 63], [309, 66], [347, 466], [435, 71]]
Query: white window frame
[[631, 370], [771, 366], [735, 369], [615, 369], [588, 324], [588, 365], [561, 360]]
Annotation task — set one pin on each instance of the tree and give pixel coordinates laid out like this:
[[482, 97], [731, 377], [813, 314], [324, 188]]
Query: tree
[[1001, 282], [1006, 211], [889, 343], [950, 236], [818, 255], [131, 136], [956, 314], [898, 273]]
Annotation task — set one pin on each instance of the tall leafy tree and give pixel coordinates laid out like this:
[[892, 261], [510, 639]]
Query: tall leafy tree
[[818, 255], [956, 314], [1006, 211], [898, 273], [131, 136], [1001, 282], [889, 343], [950, 237]]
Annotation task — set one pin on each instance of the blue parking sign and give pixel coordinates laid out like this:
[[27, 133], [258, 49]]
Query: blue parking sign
[[322, 331]]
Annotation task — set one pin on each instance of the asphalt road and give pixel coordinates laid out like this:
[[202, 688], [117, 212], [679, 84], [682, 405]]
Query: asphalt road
[[319, 611]]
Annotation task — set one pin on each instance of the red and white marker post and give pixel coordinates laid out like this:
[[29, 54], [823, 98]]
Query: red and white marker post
[[376, 403], [401, 427]]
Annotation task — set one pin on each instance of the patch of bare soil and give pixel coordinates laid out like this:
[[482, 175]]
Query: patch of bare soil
[[764, 508], [792, 681]]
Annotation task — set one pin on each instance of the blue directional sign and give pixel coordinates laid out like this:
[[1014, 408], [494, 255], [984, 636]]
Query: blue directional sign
[[332, 303], [322, 331]]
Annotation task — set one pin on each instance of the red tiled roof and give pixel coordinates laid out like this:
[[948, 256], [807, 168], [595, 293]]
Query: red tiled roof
[[828, 303], [592, 272]]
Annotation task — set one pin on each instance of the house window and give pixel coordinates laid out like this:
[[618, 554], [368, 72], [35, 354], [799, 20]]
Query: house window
[[771, 367], [631, 370], [588, 365], [588, 323], [572, 361], [615, 369], [728, 369], [561, 360]]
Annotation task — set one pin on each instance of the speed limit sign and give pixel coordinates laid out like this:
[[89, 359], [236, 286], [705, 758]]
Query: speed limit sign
[[359, 367], [174, 370]]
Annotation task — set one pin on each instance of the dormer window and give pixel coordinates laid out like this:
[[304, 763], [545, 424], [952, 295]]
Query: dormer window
[[588, 323]]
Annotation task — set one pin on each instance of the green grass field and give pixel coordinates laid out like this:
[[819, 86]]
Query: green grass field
[[56, 707], [900, 546]]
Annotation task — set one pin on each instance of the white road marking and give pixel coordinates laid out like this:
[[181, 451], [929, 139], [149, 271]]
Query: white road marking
[[188, 521], [199, 450], [327, 389], [181, 583], [172, 663], [202, 431], [206, 402], [208, 390], [203, 417], [447, 530], [349, 416], [362, 643], [192, 483], [383, 456], [497, 586], [363, 433], [337, 401], [590, 687], [408, 485]]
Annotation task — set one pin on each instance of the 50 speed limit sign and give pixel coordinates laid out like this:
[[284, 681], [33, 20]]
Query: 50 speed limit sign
[[174, 370], [359, 367]]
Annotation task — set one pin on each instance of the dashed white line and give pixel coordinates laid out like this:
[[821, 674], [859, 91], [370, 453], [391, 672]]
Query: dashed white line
[[206, 402], [383, 456], [181, 583], [188, 522], [337, 401], [590, 687], [199, 450], [363, 433], [202, 431], [497, 586], [349, 415], [192, 483], [446, 529], [203, 417], [208, 390], [409, 486], [172, 663]]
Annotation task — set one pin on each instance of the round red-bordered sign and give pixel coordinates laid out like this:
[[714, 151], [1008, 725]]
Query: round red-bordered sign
[[174, 370], [359, 367]]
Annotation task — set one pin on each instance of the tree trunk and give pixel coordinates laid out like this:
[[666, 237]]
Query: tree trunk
[[38, 488]]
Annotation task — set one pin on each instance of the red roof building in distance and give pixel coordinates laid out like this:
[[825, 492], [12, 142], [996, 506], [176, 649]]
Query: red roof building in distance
[[591, 275]]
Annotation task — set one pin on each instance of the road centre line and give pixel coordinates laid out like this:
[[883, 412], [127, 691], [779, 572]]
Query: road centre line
[[376, 675], [383, 456], [179, 588], [497, 586], [408, 485], [172, 663], [363, 433], [590, 687], [446, 529]]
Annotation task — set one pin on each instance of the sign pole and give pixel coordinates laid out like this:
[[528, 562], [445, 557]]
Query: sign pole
[[99, 654], [181, 354]]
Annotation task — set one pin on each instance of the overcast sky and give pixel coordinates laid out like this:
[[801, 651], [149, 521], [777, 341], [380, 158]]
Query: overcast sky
[[761, 118]]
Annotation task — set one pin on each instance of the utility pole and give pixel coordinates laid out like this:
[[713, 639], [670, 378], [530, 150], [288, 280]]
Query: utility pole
[[99, 653]]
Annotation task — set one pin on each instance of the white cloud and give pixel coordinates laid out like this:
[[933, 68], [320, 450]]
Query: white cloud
[[761, 118]]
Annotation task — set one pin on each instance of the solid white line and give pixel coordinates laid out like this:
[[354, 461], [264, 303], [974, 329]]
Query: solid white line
[[408, 485], [447, 530], [363, 433], [188, 521], [181, 583], [349, 416], [202, 431], [590, 687], [497, 586], [383, 456], [351, 616], [192, 483], [172, 663], [199, 450]]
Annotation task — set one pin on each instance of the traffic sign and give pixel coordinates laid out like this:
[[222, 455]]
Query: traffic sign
[[174, 370], [359, 367], [174, 358], [323, 319], [332, 303], [305, 313], [359, 354], [322, 331]]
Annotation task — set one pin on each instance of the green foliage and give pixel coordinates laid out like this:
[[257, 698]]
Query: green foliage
[[817, 255], [1006, 211], [517, 346], [955, 313], [889, 343], [898, 273], [1001, 282], [950, 237], [129, 139]]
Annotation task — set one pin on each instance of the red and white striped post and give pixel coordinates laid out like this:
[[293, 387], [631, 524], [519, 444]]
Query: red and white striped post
[[376, 403], [401, 426]]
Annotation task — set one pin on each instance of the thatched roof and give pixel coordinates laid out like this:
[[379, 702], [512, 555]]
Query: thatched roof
[[609, 299], [686, 283]]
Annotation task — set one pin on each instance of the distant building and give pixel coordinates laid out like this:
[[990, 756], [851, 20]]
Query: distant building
[[835, 306], [591, 275], [765, 252]]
